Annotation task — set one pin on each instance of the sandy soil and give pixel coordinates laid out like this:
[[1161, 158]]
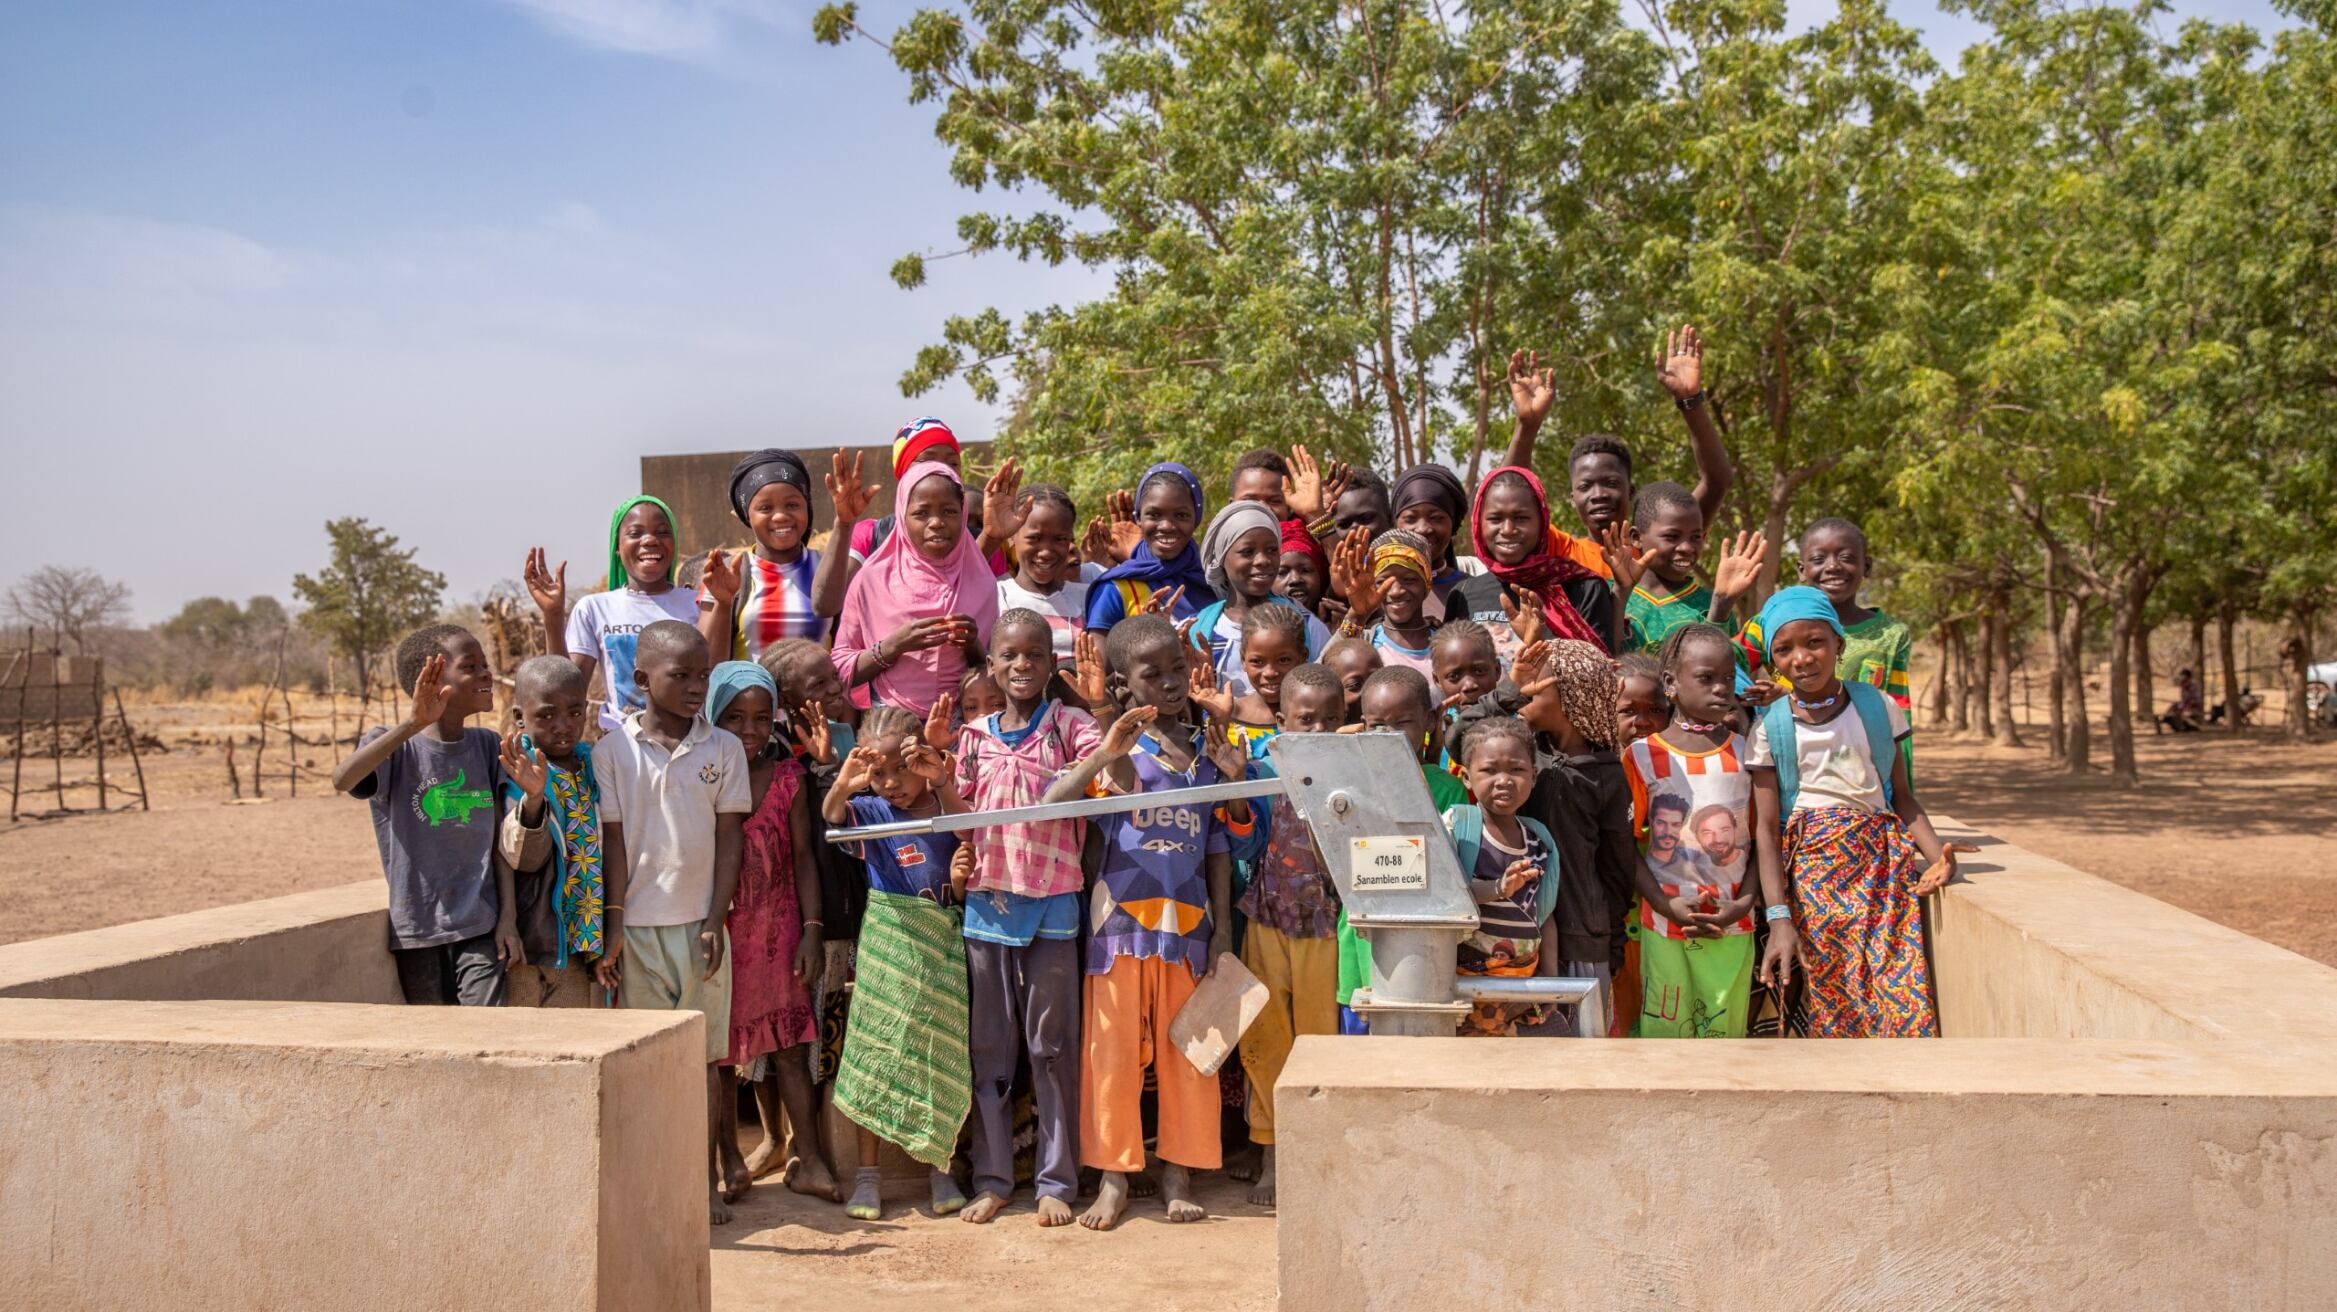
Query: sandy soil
[[782, 1250]]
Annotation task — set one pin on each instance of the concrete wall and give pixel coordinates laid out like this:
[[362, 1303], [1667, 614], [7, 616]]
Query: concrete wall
[[2133, 1107], [1418, 1173], [2027, 947], [240, 1155], [329, 945]]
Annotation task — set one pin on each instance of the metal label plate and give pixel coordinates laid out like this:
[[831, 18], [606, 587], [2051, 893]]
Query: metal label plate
[[1396, 864]]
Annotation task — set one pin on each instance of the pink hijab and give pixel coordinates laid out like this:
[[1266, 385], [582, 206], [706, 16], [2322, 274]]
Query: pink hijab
[[900, 585]]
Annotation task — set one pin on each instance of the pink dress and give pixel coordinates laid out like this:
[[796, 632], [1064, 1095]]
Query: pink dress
[[769, 1010]]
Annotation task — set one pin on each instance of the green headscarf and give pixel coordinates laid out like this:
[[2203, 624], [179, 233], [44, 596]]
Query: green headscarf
[[617, 575]]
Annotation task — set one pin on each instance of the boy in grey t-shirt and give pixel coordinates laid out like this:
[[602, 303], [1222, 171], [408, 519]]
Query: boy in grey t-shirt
[[433, 785]]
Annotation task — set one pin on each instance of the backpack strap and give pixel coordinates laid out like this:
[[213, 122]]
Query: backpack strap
[[1777, 730], [1468, 829], [1546, 895], [1875, 716]]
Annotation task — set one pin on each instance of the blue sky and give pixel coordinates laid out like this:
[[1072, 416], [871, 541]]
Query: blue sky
[[454, 265]]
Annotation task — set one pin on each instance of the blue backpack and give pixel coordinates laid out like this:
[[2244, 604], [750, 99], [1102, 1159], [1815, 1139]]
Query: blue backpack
[[1468, 829], [1777, 728]]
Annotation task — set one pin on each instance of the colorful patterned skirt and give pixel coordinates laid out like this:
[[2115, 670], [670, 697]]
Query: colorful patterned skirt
[[906, 1076], [1861, 926]]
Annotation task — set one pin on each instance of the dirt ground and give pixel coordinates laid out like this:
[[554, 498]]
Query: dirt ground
[[782, 1250]]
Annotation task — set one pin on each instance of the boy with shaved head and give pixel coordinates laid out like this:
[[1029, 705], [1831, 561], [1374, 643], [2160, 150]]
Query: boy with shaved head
[[551, 839]]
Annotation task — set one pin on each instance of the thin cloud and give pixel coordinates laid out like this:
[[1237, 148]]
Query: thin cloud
[[668, 29]]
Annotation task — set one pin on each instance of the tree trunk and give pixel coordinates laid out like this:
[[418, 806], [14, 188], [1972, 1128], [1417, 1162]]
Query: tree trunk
[[2006, 734], [2300, 663], [2125, 626], [1939, 684], [1960, 696], [2198, 623], [2145, 694], [2226, 615], [2058, 700], [2079, 750], [1983, 658]]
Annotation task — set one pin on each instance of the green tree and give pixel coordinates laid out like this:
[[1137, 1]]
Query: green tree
[[1325, 222], [368, 595]]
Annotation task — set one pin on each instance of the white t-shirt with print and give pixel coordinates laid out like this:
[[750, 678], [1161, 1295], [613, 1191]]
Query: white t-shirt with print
[[1836, 767], [1065, 607], [607, 627]]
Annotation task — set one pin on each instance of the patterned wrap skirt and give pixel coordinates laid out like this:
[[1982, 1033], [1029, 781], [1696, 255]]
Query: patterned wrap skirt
[[1861, 926]]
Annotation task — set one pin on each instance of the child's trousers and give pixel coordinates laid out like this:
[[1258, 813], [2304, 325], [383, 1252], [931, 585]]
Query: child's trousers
[[1128, 1014], [1026, 995], [1301, 976]]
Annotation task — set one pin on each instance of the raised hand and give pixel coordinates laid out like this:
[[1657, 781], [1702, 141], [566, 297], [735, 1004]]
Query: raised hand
[[1000, 517], [1531, 659], [1740, 565], [940, 734], [1095, 543], [1525, 613], [431, 694], [1126, 533], [1120, 738], [846, 489], [525, 766], [1620, 544], [858, 768], [809, 728], [1311, 491], [1351, 566], [723, 575], [1520, 873], [1225, 751], [1530, 391], [1203, 688], [546, 586], [1681, 371], [929, 763], [1162, 603], [1088, 676]]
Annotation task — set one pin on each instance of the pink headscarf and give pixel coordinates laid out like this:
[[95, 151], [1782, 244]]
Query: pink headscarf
[[900, 585]]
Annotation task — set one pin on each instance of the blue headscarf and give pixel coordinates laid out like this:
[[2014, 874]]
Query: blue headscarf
[[1796, 603], [731, 678], [1181, 570]]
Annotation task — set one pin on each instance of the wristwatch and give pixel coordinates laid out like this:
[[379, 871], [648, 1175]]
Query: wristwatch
[[1690, 401]]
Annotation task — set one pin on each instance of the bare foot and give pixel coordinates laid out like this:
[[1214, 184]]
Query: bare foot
[[810, 1176], [985, 1207], [867, 1201], [1243, 1165], [1111, 1203], [1054, 1211], [1262, 1193], [1142, 1185], [1176, 1185], [768, 1156], [735, 1176], [717, 1209]]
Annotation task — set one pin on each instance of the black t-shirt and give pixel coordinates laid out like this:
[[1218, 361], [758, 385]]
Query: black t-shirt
[[1479, 596]]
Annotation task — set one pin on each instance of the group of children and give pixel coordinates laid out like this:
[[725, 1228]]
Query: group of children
[[1716, 819]]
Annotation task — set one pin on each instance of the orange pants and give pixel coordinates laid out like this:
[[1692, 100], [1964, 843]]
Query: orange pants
[[1128, 1014]]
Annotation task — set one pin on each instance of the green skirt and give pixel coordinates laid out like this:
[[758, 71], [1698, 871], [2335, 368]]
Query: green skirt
[[1695, 988], [905, 1075]]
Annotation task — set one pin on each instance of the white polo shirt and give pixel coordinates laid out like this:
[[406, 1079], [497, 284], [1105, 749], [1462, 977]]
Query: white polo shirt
[[667, 804]]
